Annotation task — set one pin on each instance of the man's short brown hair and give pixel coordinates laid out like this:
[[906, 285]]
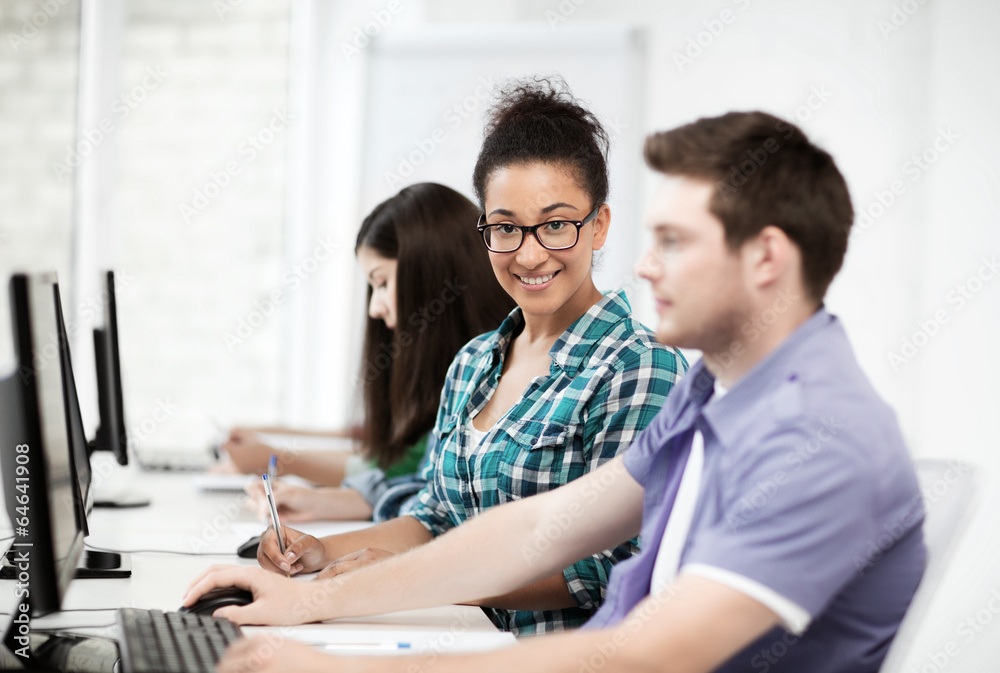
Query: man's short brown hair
[[766, 172]]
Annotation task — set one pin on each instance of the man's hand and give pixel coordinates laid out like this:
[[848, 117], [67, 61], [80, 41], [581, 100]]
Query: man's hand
[[276, 600], [272, 653]]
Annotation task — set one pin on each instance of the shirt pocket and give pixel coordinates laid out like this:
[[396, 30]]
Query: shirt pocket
[[441, 446], [538, 456]]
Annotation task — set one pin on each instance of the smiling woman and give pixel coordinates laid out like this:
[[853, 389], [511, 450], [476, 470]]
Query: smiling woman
[[564, 385]]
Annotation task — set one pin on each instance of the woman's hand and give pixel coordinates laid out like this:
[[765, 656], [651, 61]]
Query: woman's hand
[[353, 561], [248, 454], [276, 600], [301, 503], [294, 503], [303, 553]]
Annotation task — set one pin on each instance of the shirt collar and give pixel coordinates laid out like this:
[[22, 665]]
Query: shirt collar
[[571, 349], [730, 415]]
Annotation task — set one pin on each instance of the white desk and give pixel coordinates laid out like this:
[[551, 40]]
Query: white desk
[[182, 519]]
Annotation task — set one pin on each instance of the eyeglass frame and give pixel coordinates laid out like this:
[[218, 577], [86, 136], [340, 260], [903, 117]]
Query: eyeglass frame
[[579, 224]]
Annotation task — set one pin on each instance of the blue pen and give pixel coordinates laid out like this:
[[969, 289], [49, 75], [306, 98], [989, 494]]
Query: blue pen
[[272, 468], [367, 646]]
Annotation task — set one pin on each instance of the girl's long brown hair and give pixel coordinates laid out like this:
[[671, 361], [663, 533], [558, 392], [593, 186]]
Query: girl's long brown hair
[[446, 294]]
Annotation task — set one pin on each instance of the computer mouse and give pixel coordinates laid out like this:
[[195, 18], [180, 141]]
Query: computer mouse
[[219, 598], [249, 548]]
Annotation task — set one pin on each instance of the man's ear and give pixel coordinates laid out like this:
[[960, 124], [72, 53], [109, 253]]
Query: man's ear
[[769, 255], [601, 225]]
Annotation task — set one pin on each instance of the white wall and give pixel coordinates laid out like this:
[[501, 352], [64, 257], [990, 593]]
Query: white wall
[[956, 401]]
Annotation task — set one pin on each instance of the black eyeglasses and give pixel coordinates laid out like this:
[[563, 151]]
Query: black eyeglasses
[[555, 235]]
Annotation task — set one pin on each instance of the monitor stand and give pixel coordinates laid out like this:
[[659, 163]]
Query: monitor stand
[[73, 652], [92, 565], [103, 565]]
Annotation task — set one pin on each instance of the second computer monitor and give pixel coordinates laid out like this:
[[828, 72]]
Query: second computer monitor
[[111, 433]]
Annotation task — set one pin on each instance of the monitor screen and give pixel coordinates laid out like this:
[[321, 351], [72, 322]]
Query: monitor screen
[[111, 433], [79, 448], [41, 491]]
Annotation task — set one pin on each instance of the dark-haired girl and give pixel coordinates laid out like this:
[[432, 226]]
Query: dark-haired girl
[[567, 381], [417, 249]]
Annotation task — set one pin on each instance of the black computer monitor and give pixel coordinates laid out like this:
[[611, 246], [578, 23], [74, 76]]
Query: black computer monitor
[[111, 433], [35, 458], [94, 564], [56, 356], [79, 448]]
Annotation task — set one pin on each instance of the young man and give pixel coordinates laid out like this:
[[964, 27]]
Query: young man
[[779, 511]]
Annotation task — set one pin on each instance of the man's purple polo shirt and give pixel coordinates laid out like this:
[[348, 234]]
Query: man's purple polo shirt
[[808, 503]]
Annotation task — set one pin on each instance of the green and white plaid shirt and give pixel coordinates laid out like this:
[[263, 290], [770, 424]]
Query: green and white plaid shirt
[[607, 380]]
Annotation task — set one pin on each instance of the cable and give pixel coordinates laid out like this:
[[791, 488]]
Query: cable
[[157, 551], [7, 614], [63, 630]]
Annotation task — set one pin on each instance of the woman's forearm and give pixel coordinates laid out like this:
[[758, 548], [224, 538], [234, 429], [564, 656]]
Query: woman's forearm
[[349, 433], [550, 593], [341, 504], [324, 468], [397, 535]]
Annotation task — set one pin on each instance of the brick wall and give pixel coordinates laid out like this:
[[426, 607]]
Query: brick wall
[[200, 197], [38, 46], [195, 124]]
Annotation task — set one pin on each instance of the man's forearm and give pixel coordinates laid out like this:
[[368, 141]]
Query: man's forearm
[[693, 627], [560, 653], [500, 551], [480, 557]]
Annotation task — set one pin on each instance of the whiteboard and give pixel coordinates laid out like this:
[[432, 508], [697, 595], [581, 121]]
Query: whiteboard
[[427, 93]]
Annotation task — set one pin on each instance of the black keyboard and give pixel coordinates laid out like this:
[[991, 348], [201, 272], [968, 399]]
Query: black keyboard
[[172, 642]]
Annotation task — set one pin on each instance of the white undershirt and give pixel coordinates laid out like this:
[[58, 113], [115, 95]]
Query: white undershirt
[[668, 558], [476, 437], [665, 569]]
